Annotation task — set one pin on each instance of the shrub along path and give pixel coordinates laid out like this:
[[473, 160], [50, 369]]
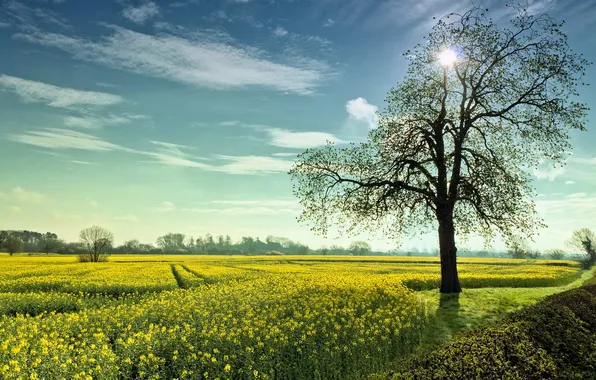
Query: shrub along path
[[554, 338]]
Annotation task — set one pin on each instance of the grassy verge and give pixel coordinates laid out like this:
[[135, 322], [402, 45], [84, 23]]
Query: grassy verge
[[552, 339], [475, 308]]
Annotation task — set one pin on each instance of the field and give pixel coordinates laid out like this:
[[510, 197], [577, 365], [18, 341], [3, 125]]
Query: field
[[230, 317]]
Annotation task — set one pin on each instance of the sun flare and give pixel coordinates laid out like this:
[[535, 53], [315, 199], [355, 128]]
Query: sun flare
[[447, 57]]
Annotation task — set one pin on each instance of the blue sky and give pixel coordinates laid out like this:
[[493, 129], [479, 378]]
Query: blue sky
[[154, 117]]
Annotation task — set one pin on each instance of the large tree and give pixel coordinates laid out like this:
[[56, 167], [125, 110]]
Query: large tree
[[482, 102], [97, 241]]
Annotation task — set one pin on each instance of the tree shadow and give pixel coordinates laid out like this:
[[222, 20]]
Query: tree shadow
[[448, 314]]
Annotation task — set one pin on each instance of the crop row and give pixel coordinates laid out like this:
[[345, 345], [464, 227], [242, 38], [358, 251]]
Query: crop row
[[274, 326]]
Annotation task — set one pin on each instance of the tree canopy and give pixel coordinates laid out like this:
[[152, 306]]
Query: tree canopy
[[454, 146]]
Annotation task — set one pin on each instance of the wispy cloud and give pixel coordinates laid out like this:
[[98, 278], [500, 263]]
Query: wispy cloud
[[54, 96], [260, 203], [78, 162], [284, 154], [55, 138], [301, 140], [141, 13], [548, 170], [94, 122], [67, 216], [127, 218], [244, 211], [15, 209], [209, 64], [360, 109], [25, 16], [165, 206], [27, 196], [166, 153], [279, 32], [253, 165]]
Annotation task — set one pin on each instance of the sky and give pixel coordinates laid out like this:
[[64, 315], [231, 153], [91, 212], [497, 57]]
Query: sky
[[148, 117]]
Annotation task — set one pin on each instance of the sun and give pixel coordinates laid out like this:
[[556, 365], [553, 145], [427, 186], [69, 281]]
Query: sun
[[447, 57]]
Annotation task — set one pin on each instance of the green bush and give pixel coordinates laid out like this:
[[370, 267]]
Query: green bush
[[504, 351], [554, 339]]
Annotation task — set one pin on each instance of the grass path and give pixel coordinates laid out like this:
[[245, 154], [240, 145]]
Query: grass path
[[476, 307]]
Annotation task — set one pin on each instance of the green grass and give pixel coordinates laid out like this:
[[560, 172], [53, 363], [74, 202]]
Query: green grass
[[477, 307]]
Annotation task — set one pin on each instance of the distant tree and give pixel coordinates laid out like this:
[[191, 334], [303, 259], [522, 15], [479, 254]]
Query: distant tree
[[97, 241], [534, 254], [130, 246], [584, 240], [172, 242], [13, 244], [48, 242], [481, 102], [483, 253], [556, 254], [221, 242], [3, 238], [359, 248], [517, 248]]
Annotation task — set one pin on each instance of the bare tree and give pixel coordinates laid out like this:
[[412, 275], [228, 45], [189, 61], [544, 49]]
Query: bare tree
[[584, 241], [517, 248], [556, 254], [359, 248], [98, 241], [480, 104]]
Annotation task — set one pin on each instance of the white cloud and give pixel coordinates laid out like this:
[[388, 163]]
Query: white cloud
[[78, 162], [15, 209], [165, 206], [284, 154], [54, 96], [243, 211], [279, 32], [201, 63], [27, 196], [67, 216], [55, 138], [230, 123], [166, 154], [127, 218], [142, 13], [360, 109], [300, 140], [24, 16], [260, 203], [4, 25], [576, 195], [94, 122], [92, 202], [548, 170], [569, 182], [253, 165], [329, 23]]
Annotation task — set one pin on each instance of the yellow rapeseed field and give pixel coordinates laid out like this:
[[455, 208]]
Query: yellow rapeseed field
[[175, 317]]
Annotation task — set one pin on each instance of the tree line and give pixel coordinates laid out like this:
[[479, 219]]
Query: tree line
[[94, 242], [170, 243]]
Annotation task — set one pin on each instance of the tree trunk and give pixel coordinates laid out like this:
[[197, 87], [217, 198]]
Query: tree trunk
[[449, 277]]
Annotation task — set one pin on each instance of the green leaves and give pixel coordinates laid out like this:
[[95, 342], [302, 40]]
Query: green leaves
[[459, 138]]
